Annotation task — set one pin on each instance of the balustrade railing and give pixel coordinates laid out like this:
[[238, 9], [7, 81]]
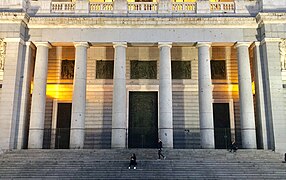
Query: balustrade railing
[[184, 7], [62, 7], [222, 7], [142, 7], [101, 7]]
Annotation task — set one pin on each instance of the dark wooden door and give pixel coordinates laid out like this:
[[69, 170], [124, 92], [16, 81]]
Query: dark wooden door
[[222, 125], [63, 126], [143, 120]]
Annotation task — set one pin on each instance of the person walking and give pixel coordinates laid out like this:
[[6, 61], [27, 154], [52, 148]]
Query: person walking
[[233, 146], [160, 146], [133, 161]]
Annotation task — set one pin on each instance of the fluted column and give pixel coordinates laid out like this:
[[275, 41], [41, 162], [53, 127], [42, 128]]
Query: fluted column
[[37, 119], [205, 96], [247, 120], [165, 95], [119, 121], [79, 96]]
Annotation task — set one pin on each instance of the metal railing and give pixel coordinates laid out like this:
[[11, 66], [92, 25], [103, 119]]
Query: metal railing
[[100, 138]]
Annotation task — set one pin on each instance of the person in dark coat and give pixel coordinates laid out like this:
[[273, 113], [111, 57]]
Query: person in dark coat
[[233, 146], [160, 145], [133, 161]]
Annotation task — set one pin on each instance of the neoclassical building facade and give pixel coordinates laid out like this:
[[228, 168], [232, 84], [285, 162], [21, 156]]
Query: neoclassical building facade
[[122, 74]]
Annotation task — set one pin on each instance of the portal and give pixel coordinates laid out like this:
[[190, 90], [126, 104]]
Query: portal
[[143, 120]]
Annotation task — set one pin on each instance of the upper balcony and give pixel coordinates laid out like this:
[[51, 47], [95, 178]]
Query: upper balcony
[[140, 6]]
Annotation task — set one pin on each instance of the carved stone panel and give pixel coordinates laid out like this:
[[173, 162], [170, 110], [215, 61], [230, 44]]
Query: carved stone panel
[[218, 69], [2, 54], [181, 70], [282, 48], [143, 69], [104, 69], [67, 69]]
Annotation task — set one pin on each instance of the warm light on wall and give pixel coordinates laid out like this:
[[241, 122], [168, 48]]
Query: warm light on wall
[[253, 87], [58, 91]]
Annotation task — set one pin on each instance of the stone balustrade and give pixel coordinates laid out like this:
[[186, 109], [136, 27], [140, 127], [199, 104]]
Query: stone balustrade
[[62, 7], [142, 7], [101, 7], [184, 7], [222, 7], [85, 7]]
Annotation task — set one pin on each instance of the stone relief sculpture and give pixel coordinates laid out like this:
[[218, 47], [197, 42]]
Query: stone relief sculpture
[[2, 54], [282, 48], [67, 70]]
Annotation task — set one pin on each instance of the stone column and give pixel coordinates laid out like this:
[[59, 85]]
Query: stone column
[[37, 118], [205, 96], [247, 119], [79, 97], [119, 120], [165, 95], [259, 95], [25, 98]]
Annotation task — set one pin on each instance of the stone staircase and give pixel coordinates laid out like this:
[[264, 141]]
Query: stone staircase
[[113, 164]]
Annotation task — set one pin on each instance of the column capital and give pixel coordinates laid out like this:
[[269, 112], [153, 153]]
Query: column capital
[[270, 40], [202, 44], [83, 44], [238, 44], [46, 44], [15, 40], [30, 44], [255, 44], [122, 44], [162, 44]]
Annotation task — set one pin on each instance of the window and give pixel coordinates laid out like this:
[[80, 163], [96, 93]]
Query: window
[[218, 69], [104, 69], [67, 69], [181, 70], [143, 69]]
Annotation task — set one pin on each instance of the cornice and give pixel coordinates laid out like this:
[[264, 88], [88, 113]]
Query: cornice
[[142, 22], [14, 17], [270, 18]]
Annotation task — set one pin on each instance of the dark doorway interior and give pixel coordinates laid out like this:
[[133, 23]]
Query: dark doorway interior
[[222, 125], [63, 126], [143, 120]]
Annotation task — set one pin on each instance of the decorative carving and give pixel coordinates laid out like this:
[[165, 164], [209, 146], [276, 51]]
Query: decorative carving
[[218, 69], [67, 71], [282, 48], [104, 69], [181, 70], [143, 69], [2, 54]]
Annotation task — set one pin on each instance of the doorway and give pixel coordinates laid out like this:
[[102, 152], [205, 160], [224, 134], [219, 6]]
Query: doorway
[[222, 127], [143, 120], [62, 139]]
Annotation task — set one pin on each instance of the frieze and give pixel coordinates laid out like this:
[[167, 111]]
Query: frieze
[[73, 22], [2, 54], [282, 49]]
